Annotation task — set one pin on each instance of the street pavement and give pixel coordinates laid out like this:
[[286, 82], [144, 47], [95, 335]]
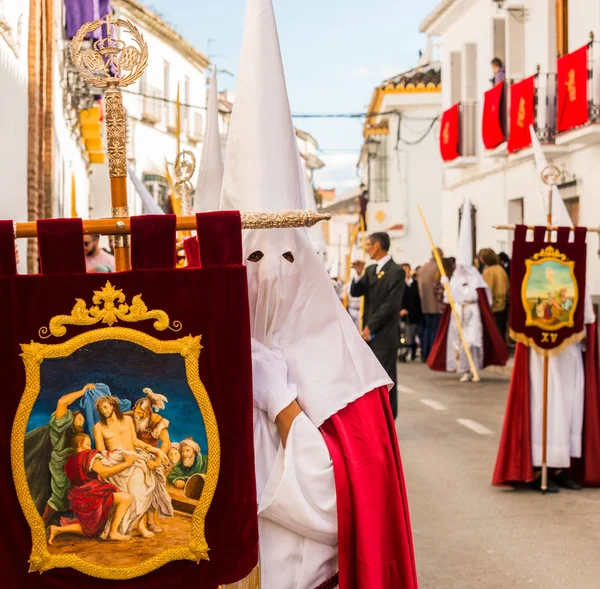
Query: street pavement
[[468, 534]]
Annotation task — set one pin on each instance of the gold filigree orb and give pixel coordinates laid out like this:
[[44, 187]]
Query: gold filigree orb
[[185, 166], [551, 175], [111, 62]]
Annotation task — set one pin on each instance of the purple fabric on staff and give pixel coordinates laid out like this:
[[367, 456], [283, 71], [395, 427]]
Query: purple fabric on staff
[[79, 12]]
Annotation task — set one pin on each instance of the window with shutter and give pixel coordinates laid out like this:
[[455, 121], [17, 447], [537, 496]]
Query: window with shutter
[[499, 34], [469, 107], [515, 59], [455, 77], [471, 72]]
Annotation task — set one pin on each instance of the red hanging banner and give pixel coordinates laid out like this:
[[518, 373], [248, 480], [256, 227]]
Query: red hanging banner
[[572, 93], [449, 134], [493, 110], [522, 114], [547, 288]]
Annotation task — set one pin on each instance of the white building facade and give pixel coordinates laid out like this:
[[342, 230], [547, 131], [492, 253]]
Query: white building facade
[[400, 163], [151, 107], [527, 35]]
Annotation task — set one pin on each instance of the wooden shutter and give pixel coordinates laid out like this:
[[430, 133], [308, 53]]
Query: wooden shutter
[[455, 77], [515, 62], [499, 34], [562, 26], [471, 72]]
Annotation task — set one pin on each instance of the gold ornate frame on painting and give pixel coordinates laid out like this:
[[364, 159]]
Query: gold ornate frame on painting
[[34, 354], [549, 254]]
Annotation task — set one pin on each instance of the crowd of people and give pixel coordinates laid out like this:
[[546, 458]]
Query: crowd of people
[[422, 301]]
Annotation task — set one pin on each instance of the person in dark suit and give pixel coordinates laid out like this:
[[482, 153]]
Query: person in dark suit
[[411, 312], [382, 285]]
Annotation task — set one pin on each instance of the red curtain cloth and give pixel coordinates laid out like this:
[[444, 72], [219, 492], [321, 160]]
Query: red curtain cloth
[[375, 538], [572, 93], [522, 114], [211, 301], [449, 134], [524, 250], [492, 128]]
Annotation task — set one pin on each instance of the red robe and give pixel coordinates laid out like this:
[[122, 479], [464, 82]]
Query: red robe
[[375, 549], [91, 499], [514, 463], [494, 348]]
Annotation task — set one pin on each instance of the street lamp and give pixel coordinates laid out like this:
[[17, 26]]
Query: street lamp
[[372, 146]]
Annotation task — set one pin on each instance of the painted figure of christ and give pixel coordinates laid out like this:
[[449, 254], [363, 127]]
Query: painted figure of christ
[[145, 479]]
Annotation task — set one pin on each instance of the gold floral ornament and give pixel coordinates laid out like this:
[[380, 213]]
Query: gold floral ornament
[[109, 307], [111, 62], [185, 165]]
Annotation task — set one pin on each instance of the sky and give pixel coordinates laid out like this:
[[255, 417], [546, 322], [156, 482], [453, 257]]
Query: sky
[[334, 51]]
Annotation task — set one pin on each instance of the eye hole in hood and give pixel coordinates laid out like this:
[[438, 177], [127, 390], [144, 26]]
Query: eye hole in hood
[[288, 256], [256, 256]]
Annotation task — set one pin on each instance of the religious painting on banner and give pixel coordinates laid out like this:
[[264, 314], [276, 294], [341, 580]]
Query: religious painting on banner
[[572, 90], [130, 436], [522, 114], [449, 134], [547, 286]]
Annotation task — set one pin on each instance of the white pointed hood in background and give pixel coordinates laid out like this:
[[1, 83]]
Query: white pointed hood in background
[[327, 359], [210, 177], [315, 233], [466, 279], [149, 205], [560, 215]]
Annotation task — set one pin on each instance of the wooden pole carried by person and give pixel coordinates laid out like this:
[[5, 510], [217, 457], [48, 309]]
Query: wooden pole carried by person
[[446, 283], [364, 253]]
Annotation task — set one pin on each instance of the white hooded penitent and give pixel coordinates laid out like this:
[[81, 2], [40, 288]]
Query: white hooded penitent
[[210, 177], [290, 292]]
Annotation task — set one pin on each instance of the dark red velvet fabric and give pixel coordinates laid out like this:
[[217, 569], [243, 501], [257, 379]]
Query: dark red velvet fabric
[[514, 462], [153, 244], [494, 349], [8, 261], [213, 230], [60, 243], [375, 538], [192, 252], [212, 302], [524, 250]]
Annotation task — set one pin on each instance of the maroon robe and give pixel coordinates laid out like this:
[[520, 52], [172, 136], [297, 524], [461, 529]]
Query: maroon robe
[[494, 348], [91, 498], [375, 547], [514, 463]]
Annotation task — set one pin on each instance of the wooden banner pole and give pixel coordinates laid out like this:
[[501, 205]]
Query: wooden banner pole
[[461, 334]]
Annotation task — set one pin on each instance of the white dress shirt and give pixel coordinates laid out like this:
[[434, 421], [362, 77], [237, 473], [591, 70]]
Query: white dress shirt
[[382, 263]]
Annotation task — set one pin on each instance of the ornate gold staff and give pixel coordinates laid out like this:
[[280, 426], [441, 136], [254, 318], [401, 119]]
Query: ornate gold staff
[[111, 64], [185, 165]]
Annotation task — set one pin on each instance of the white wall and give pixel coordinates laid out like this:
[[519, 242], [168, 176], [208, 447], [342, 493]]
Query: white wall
[[14, 122], [491, 183]]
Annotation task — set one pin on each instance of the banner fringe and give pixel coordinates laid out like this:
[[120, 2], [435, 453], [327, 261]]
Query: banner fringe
[[530, 343]]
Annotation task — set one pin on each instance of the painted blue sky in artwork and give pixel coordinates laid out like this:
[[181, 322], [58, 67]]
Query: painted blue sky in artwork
[[549, 277], [127, 369]]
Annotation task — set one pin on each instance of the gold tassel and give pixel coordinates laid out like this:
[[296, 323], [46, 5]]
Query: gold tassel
[[252, 581]]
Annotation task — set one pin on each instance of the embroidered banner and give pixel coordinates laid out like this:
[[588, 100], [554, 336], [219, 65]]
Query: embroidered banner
[[522, 114], [572, 90], [449, 134], [547, 289], [129, 399], [492, 128]]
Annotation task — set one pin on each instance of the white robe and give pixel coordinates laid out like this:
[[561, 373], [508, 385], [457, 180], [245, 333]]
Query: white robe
[[297, 505], [464, 292], [566, 388]]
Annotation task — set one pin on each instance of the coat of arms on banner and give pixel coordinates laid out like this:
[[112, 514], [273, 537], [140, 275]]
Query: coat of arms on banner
[[550, 292], [115, 443], [547, 286]]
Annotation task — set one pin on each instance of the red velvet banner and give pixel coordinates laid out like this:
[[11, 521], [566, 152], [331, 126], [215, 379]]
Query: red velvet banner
[[522, 114], [492, 128], [449, 134], [572, 90], [547, 283], [104, 369]]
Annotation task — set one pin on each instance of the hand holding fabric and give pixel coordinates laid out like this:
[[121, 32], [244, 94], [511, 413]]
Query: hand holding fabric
[[272, 393]]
